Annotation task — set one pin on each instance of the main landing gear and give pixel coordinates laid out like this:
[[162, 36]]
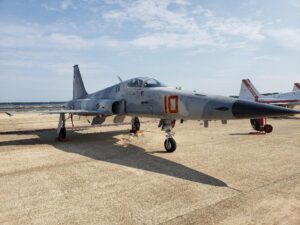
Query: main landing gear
[[167, 126], [261, 126], [135, 125], [61, 130]]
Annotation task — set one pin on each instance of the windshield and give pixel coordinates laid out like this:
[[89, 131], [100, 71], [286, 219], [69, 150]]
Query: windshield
[[135, 83], [153, 83]]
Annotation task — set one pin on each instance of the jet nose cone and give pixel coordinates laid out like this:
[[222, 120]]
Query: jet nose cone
[[245, 109]]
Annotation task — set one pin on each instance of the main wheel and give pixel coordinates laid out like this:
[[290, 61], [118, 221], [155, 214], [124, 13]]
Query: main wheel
[[135, 125], [62, 133], [170, 145], [268, 128]]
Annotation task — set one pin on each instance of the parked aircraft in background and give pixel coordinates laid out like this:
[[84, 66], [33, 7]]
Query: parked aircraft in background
[[249, 93]]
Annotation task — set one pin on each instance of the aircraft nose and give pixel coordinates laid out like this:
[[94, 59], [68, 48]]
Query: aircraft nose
[[246, 109]]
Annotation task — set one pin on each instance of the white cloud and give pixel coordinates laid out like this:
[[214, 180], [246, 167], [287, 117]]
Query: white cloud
[[189, 26], [295, 3], [173, 40], [236, 27], [287, 37], [264, 58], [37, 37], [88, 67], [155, 15], [58, 5], [186, 26], [65, 4]]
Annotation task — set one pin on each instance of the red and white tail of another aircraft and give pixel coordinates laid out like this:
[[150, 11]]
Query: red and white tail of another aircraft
[[249, 92], [296, 87]]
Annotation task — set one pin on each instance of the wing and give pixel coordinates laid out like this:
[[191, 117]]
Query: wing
[[78, 112], [67, 111]]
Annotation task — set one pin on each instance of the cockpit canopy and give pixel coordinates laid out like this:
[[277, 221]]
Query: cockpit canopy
[[136, 82], [144, 82]]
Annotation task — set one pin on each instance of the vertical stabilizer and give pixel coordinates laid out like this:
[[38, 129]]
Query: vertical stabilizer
[[248, 92], [78, 86], [296, 87]]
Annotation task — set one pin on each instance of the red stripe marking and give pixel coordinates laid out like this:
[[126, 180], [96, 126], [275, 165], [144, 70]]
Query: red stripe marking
[[165, 103], [251, 89], [279, 101], [173, 110]]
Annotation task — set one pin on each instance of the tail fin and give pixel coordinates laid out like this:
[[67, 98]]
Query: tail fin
[[296, 87], [78, 86], [248, 91]]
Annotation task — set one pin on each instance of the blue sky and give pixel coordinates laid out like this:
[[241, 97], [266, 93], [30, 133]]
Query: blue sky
[[208, 46]]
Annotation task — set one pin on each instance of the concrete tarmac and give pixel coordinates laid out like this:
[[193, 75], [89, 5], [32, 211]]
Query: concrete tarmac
[[102, 175]]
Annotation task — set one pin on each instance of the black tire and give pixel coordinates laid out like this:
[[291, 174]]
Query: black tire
[[170, 145], [255, 124], [137, 125], [268, 128], [62, 133]]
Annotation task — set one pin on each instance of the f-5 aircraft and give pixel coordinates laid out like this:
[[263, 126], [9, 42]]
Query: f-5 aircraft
[[249, 92], [148, 97]]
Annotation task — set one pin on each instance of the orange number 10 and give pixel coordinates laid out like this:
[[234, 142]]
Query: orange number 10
[[171, 104]]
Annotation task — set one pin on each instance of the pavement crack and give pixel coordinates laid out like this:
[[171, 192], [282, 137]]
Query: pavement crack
[[241, 193], [41, 168]]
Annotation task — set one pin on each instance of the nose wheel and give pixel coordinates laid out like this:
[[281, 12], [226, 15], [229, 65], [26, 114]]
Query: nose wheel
[[167, 126], [170, 144]]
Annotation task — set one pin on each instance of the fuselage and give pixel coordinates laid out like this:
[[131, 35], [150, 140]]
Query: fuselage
[[288, 99], [148, 97], [157, 100]]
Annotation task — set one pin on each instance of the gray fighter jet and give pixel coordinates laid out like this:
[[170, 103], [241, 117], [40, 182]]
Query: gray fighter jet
[[148, 97]]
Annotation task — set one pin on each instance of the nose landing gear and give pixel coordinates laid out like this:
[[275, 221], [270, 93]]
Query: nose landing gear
[[167, 126]]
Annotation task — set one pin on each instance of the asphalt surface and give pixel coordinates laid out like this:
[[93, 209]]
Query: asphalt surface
[[219, 175]]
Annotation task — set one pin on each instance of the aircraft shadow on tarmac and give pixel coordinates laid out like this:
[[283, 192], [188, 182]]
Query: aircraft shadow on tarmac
[[104, 147]]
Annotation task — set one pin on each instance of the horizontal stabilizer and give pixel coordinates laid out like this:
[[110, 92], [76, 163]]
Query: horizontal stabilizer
[[77, 112]]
